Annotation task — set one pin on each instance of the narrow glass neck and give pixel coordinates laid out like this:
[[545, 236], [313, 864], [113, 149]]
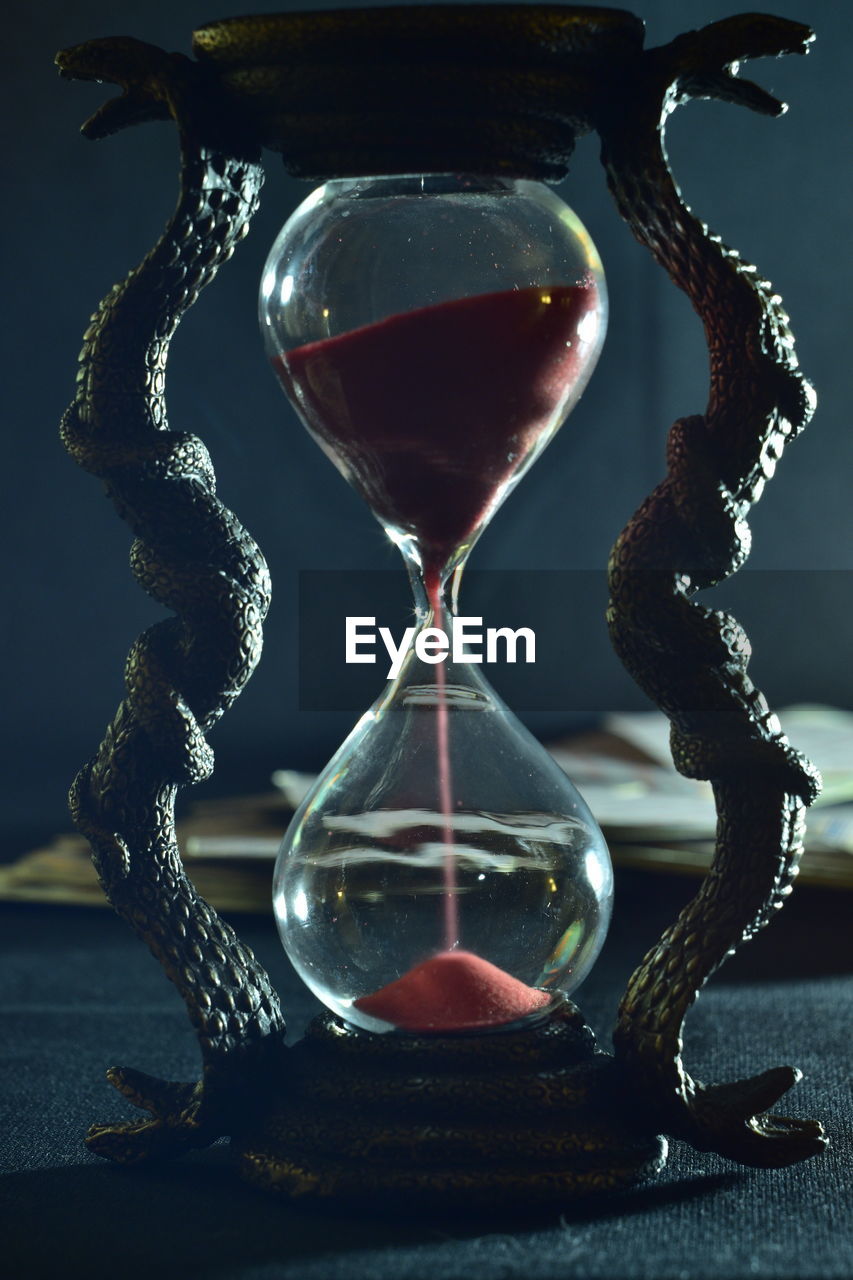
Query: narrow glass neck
[[435, 598]]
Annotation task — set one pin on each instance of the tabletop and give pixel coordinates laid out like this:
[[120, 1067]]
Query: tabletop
[[79, 994]]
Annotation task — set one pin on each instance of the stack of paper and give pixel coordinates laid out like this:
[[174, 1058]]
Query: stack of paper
[[651, 816]]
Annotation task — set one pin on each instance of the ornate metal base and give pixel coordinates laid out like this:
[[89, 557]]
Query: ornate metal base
[[535, 1115]]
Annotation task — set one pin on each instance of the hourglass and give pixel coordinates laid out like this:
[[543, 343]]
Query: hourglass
[[443, 888], [433, 332]]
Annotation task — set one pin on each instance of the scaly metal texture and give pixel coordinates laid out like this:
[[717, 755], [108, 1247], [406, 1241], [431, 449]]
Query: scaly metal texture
[[192, 555], [690, 534]]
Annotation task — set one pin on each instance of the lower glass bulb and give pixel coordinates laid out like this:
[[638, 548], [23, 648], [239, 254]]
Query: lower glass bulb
[[403, 911]]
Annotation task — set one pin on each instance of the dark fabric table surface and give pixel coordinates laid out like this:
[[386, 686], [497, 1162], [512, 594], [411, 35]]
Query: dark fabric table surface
[[79, 994]]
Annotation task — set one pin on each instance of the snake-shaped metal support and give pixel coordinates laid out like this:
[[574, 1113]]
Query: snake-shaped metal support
[[689, 534], [192, 555]]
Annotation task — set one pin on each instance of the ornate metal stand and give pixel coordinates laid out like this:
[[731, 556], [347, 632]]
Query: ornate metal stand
[[503, 89]]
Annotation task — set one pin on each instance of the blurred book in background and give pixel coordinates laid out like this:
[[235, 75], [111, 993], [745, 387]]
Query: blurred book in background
[[651, 816]]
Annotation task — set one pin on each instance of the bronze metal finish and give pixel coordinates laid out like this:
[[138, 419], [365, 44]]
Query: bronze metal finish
[[560, 71], [535, 1115], [439, 88]]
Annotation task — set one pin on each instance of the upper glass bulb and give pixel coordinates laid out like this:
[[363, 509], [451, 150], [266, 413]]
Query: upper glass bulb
[[433, 332]]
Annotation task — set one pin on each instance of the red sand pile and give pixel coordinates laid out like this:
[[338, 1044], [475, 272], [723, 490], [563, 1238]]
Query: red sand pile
[[453, 991]]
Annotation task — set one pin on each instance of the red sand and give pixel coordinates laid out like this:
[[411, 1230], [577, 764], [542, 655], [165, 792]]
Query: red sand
[[445, 781], [428, 413], [453, 991]]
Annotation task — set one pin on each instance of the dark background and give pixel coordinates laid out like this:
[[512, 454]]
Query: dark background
[[78, 992], [80, 214]]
